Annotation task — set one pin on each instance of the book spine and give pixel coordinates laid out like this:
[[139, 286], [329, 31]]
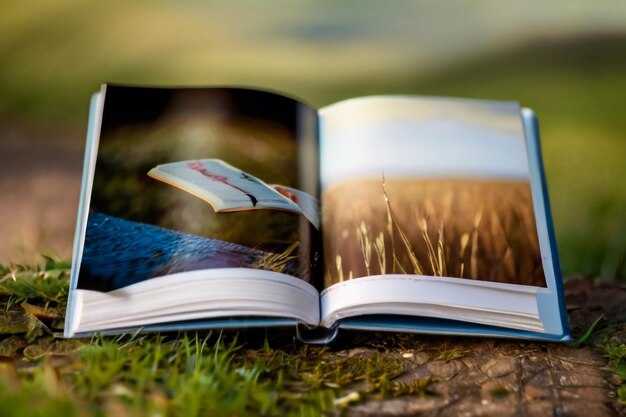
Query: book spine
[[531, 127], [316, 335]]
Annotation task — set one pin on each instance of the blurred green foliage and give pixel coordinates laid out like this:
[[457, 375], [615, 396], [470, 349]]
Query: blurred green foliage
[[54, 54]]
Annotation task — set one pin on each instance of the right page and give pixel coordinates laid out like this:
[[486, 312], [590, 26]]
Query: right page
[[428, 211]]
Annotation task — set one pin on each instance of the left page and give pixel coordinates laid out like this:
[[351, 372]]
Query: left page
[[165, 160]]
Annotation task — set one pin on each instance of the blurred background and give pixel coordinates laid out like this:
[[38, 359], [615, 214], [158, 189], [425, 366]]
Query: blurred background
[[565, 60]]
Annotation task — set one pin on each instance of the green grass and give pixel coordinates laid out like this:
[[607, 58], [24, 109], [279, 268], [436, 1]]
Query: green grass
[[616, 353], [246, 373], [192, 374], [48, 282], [185, 374]]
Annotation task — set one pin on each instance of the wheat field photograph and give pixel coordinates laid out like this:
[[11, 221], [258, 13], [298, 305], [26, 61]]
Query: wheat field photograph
[[475, 229], [428, 187]]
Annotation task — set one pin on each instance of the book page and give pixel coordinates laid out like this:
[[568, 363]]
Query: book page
[[227, 188], [163, 153], [427, 187]]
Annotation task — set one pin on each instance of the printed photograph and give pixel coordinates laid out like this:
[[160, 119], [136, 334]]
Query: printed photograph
[[427, 187], [190, 179]]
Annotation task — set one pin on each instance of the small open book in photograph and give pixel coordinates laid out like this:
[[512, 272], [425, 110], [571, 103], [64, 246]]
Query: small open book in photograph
[[229, 208]]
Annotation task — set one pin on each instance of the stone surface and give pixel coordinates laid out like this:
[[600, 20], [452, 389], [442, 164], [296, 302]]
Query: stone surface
[[479, 377]]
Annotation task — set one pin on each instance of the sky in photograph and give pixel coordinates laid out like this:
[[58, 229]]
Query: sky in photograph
[[408, 137]]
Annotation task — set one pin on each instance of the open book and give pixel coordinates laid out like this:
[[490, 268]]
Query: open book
[[394, 213]]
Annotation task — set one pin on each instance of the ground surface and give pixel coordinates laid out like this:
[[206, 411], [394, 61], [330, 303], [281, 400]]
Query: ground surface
[[501, 378], [361, 375]]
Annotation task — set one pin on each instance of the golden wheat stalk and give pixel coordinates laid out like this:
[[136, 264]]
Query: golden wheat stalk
[[392, 221], [364, 243], [432, 256], [339, 269], [441, 264], [278, 261], [464, 242], [379, 245], [474, 250]]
